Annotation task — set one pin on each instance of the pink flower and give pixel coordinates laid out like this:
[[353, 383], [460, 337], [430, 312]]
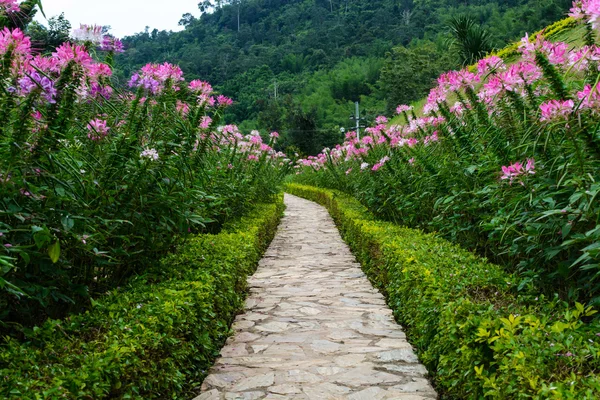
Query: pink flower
[[255, 138], [68, 52], [16, 42], [430, 139], [97, 129], [403, 108], [274, 135], [367, 140], [590, 97], [530, 167], [224, 101], [9, 6], [556, 110], [556, 52], [201, 87], [457, 109], [182, 108], [205, 123], [348, 171], [381, 120], [515, 170], [411, 161], [154, 77], [589, 10], [490, 65]]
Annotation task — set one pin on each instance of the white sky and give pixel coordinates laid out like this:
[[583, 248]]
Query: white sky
[[126, 17]]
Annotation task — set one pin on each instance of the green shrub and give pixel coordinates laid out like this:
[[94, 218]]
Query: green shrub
[[155, 338], [478, 335]]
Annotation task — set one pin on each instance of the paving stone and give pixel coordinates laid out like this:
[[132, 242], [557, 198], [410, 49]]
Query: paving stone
[[244, 396], [405, 355], [372, 393], [254, 382], [210, 395], [326, 391], [314, 326], [285, 389]]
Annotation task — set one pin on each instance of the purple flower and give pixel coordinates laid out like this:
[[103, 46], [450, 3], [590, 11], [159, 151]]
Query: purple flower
[[113, 44]]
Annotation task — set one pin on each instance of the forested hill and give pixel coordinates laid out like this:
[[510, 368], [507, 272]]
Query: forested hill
[[318, 56]]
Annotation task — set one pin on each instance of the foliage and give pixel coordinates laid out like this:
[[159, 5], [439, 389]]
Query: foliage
[[506, 163], [14, 14], [477, 334], [48, 39], [247, 48], [154, 338], [470, 41], [409, 73], [96, 183]]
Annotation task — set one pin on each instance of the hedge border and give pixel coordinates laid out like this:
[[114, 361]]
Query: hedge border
[[155, 338], [475, 331]]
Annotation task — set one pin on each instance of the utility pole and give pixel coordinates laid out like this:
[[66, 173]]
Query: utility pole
[[275, 88], [357, 119]]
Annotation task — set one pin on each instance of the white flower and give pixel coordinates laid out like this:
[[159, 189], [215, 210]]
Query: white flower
[[150, 153], [91, 33], [364, 165]]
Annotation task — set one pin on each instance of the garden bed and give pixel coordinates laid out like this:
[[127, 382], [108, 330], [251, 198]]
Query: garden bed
[[155, 338], [479, 336]]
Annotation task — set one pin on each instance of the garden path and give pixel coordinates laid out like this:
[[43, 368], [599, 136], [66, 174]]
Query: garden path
[[314, 326]]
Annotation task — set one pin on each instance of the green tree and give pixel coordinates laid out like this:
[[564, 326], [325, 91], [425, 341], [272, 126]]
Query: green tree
[[47, 39], [469, 41], [409, 73]]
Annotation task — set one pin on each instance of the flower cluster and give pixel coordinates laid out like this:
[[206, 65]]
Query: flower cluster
[[587, 9], [150, 154], [517, 169], [10, 6], [155, 77], [89, 33], [112, 44], [97, 129], [554, 110]]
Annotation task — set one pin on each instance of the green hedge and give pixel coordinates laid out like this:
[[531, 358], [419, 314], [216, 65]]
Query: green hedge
[[155, 338], [479, 333]]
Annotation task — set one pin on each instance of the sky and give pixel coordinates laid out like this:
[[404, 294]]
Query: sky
[[126, 17]]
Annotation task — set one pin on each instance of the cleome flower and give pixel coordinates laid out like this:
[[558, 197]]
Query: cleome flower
[[150, 154], [555, 110], [9, 6], [97, 129], [517, 169]]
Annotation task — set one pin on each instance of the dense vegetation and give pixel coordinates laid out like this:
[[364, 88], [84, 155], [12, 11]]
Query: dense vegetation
[[504, 160], [98, 182], [320, 56], [479, 336], [154, 338]]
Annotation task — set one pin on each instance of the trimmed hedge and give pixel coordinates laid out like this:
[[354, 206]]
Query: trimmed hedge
[[476, 330], [155, 338]]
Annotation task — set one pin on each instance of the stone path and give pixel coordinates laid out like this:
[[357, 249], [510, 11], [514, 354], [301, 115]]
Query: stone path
[[314, 327]]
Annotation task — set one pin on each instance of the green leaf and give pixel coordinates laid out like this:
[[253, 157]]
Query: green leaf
[[67, 222], [54, 252]]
